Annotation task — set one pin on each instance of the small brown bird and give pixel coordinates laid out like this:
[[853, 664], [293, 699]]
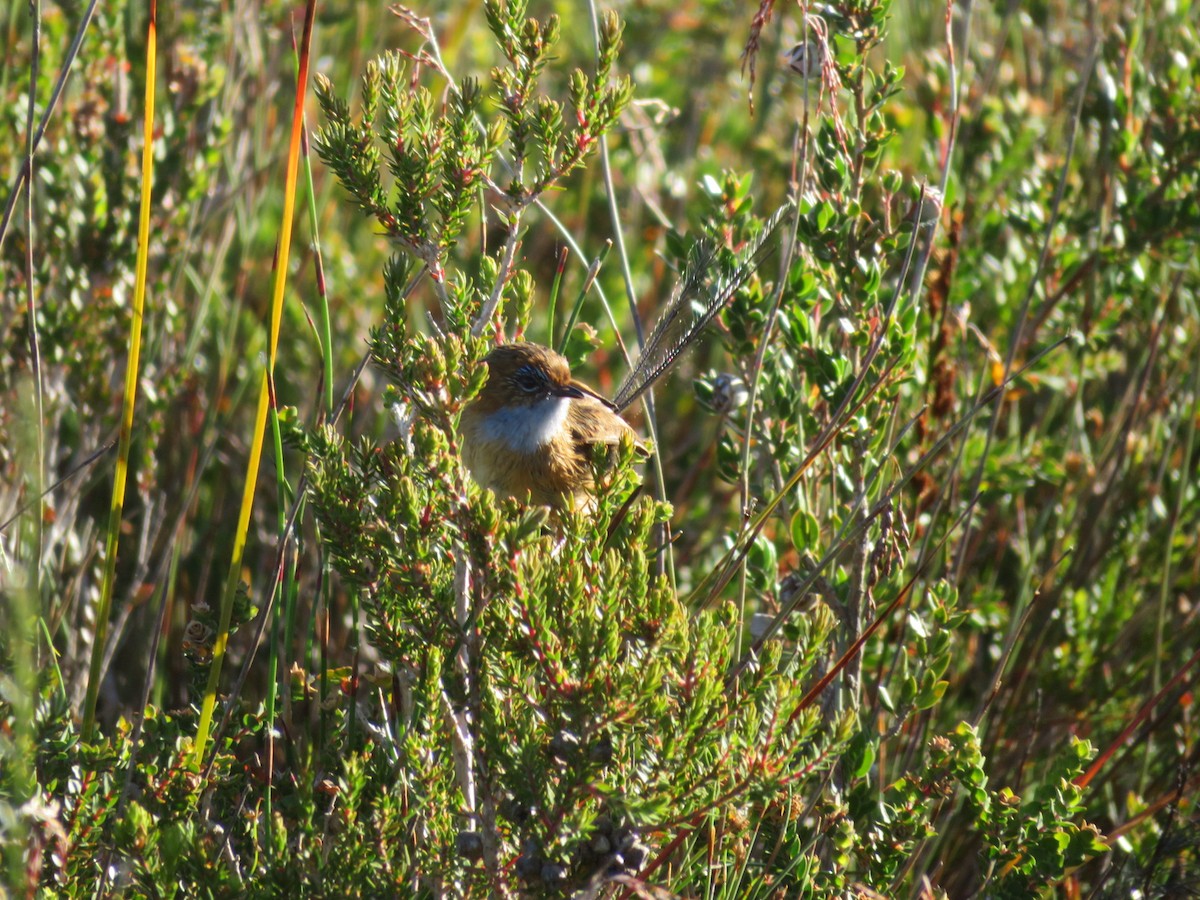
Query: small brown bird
[[532, 427], [531, 431]]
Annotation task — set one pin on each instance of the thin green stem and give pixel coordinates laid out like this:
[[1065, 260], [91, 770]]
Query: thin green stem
[[31, 310], [326, 329], [554, 289]]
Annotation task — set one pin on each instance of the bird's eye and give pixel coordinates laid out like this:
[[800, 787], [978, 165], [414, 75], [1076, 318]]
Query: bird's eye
[[528, 381]]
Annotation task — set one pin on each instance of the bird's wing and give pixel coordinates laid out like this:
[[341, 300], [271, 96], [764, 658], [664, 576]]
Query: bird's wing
[[593, 423]]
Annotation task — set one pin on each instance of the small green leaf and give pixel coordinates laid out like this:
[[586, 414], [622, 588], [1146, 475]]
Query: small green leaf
[[885, 699], [929, 695], [805, 530], [860, 755]]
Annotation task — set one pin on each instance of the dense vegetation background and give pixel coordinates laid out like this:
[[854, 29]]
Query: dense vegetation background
[[910, 608]]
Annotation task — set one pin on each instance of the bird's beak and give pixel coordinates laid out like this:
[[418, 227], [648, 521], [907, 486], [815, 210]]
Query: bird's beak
[[567, 390], [579, 391]]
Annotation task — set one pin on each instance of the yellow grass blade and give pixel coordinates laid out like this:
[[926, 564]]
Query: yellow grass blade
[[131, 381]]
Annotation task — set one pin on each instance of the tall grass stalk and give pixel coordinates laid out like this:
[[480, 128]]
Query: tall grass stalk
[[131, 381], [266, 398]]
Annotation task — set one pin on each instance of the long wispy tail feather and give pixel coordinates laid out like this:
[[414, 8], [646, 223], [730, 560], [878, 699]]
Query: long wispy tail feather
[[695, 300]]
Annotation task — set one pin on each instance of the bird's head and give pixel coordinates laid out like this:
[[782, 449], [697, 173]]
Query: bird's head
[[527, 375]]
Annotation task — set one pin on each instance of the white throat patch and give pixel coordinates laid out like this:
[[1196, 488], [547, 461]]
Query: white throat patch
[[526, 428]]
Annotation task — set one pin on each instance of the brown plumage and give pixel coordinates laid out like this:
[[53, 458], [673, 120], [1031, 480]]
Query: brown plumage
[[530, 431]]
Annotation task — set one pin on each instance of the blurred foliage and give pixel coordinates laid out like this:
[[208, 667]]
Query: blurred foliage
[[954, 418]]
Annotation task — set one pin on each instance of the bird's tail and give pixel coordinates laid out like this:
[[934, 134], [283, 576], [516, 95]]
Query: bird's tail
[[697, 297]]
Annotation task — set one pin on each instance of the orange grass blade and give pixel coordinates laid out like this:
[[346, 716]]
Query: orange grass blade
[[265, 396]]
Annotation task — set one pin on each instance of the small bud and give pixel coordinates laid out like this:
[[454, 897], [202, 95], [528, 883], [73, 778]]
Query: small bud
[[197, 632], [579, 83]]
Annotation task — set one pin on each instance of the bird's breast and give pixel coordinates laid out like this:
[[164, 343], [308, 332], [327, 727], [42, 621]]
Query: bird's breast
[[525, 429], [542, 450], [524, 450]]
